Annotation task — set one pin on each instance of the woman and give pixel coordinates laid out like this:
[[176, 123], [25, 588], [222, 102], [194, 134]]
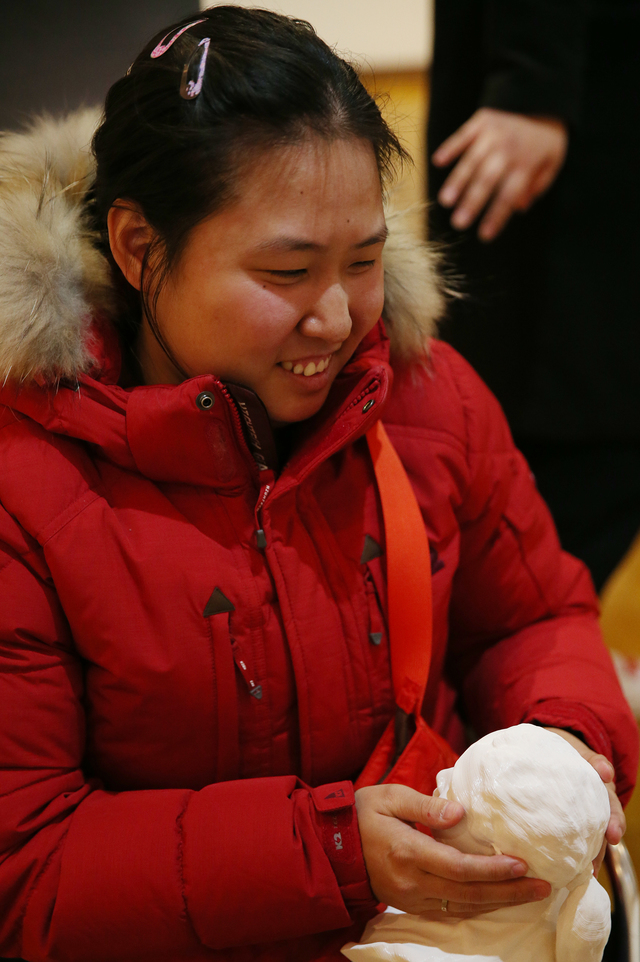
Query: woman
[[193, 569]]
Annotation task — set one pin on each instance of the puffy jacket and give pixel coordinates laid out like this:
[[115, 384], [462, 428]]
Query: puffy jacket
[[194, 658]]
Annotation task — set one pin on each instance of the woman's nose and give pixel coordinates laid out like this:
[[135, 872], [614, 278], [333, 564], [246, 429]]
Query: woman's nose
[[328, 317]]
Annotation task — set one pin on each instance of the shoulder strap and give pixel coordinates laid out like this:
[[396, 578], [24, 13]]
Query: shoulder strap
[[408, 574]]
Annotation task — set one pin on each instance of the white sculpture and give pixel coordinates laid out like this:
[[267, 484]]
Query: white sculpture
[[527, 793]]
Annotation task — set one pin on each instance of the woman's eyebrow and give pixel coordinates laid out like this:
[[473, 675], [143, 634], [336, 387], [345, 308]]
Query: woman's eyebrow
[[284, 244], [379, 237]]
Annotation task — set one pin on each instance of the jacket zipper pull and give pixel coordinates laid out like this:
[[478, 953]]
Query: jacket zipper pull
[[261, 538], [245, 670]]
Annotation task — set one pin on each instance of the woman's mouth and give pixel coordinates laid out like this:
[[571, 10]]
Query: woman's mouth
[[307, 366]]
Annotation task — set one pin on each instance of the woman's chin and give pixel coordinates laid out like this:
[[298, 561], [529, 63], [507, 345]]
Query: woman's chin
[[282, 413]]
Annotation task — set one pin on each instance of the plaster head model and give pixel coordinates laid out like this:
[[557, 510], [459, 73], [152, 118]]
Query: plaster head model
[[527, 793]]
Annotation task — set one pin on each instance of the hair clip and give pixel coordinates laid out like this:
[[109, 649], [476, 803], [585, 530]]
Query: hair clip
[[164, 44], [189, 89]]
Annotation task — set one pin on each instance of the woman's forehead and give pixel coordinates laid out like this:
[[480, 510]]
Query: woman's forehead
[[303, 196], [315, 165]]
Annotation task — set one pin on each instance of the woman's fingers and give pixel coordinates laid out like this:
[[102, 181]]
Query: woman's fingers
[[433, 908], [473, 880], [514, 892], [463, 911], [448, 863], [414, 872], [617, 822], [407, 805]]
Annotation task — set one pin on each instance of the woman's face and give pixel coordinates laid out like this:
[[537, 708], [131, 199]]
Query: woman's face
[[276, 291]]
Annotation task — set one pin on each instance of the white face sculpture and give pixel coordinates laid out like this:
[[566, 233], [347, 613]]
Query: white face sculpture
[[528, 793]]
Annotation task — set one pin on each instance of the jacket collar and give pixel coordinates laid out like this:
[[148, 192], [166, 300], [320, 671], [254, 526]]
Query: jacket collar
[[167, 434]]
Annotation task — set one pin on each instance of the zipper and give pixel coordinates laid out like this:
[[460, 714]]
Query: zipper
[[372, 388], [261, 538], [264, 487], [363, 394], [263, 497], [237, 424], [246, 670]]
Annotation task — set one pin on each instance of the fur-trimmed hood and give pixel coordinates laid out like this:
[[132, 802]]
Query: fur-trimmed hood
[[53, 279]]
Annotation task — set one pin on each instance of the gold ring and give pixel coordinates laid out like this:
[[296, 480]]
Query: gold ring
[[444, 904]]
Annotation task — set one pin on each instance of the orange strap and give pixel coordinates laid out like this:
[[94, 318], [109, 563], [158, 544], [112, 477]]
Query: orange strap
[[408, 574]]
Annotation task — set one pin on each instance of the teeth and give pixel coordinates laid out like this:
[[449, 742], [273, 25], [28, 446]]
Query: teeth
[[309, 369]]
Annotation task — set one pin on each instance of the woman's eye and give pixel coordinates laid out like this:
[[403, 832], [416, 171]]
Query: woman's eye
[[362, 265], [287, 274]]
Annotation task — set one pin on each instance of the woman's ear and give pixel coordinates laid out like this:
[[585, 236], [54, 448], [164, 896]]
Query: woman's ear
[[129, 238]]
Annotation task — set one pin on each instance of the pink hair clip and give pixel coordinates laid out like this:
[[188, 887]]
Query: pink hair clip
[[164, 44], [189, 89]]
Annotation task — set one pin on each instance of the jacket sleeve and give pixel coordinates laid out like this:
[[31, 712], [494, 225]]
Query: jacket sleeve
[[534, 55], [87, 873], [525, 644]]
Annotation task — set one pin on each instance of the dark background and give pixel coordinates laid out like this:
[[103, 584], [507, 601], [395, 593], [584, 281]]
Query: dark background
[[56, 55]]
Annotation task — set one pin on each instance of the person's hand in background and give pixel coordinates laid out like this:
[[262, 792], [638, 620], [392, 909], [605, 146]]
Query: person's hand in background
[[505, 161]]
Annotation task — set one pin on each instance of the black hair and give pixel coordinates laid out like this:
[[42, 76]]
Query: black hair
[[269, 80]]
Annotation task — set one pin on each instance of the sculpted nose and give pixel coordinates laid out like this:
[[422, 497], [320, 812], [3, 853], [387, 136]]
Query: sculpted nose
[[328, 318]]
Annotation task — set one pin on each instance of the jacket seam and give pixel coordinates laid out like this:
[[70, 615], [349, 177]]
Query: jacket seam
[[180, 860], [526, 566], [71, 517]]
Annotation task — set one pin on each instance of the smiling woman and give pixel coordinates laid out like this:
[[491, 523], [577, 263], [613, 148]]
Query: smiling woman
[[285, 261], [198, 327]]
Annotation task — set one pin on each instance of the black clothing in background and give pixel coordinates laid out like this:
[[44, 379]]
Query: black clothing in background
[[551, 317], [56, 55]]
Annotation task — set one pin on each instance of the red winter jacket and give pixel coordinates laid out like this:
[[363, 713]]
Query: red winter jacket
[[194, 664], [186, 706]]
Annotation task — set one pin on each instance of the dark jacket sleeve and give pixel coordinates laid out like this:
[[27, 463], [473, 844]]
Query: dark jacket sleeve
[[525, 643], [166, 873], [534, 54]]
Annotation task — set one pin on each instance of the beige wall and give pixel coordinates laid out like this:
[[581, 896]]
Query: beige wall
[[404, 100], [387, 35]]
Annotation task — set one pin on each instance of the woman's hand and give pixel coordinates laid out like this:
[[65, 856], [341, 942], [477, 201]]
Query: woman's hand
[[413, 872], [505, 161], [617, 822]]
